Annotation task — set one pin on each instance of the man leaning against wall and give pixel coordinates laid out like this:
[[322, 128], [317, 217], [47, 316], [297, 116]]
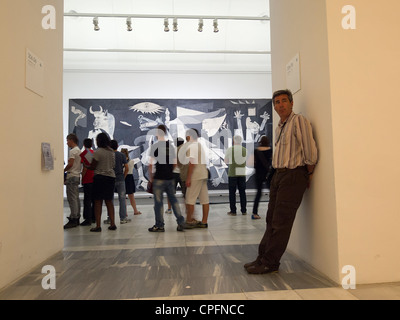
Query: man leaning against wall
[[294, 159]]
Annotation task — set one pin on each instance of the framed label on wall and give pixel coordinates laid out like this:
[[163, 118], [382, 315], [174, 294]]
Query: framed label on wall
[[47, 157]]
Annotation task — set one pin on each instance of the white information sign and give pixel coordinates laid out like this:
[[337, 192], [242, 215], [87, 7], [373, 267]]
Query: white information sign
[[293, 74], [34, 77]]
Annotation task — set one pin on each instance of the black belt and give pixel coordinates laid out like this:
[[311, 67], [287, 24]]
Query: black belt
[[281, 170]]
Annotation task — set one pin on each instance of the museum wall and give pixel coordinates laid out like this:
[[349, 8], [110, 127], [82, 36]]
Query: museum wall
[[31, 204], [364, 73]]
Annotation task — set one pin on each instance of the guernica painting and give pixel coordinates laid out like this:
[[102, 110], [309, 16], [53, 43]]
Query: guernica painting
[[129, 122]]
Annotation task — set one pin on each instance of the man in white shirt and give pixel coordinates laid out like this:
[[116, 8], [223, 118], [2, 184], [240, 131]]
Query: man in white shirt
[[196, 180], [73, 169]]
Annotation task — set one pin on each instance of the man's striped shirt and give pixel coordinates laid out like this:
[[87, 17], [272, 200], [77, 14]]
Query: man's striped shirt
[[294, 145]]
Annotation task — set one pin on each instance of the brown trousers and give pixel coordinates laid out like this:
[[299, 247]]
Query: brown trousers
[[286, 193]]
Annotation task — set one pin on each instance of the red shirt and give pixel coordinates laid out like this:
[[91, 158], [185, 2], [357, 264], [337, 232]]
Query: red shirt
[[88, 177]]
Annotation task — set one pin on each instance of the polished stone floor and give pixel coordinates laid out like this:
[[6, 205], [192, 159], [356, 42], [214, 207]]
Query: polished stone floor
[[198, 264]]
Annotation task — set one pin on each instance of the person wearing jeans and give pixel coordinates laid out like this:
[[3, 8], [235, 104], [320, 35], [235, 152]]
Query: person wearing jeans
[[163, 157], [159, 187]]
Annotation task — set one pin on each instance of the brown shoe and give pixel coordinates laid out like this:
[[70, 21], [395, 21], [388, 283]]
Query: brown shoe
[[250, 264], [260, 269]]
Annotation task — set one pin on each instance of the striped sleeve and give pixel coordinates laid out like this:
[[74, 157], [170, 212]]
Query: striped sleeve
[[306, 140]]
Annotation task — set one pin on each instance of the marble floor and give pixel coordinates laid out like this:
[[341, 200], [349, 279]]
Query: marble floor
[[198, 264]]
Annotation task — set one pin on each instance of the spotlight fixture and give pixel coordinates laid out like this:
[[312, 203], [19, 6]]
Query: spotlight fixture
[[96, 24], [129, 24], [166, 25], [175, 25], [201, 25], [215, 23]]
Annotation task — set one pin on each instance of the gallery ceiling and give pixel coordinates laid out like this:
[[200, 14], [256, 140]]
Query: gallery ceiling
[[242, 43]]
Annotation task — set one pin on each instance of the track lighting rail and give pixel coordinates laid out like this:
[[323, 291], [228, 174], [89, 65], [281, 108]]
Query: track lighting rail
[[166, 51], [163, 16]]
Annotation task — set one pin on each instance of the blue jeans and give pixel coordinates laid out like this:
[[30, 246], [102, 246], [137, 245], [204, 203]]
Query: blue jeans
[[167, 186], [120, 188], [240, 183]]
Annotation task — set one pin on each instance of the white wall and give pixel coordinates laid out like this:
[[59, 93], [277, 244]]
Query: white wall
[[31, 204], [151, 84], [364, 73]]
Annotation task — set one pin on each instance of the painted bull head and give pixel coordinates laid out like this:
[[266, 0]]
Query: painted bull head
[[103, 121]]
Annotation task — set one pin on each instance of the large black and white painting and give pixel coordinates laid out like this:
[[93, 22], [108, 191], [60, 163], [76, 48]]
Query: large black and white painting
[[129, 122]]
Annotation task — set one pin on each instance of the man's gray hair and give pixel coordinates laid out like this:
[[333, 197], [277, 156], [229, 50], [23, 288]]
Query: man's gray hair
[[281, 92]]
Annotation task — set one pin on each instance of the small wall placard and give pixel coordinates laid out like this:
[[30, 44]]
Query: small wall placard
[[293, 74], [47, 157], [34, 74]]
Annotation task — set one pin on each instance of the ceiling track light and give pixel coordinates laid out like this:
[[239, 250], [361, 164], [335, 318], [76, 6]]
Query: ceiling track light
[[215, 24], [129, 24], [166, 25], [129, 18], [201, 25], [96, 24]]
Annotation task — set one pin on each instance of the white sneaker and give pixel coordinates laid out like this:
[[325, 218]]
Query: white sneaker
[[169, 211], [125, 220]]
